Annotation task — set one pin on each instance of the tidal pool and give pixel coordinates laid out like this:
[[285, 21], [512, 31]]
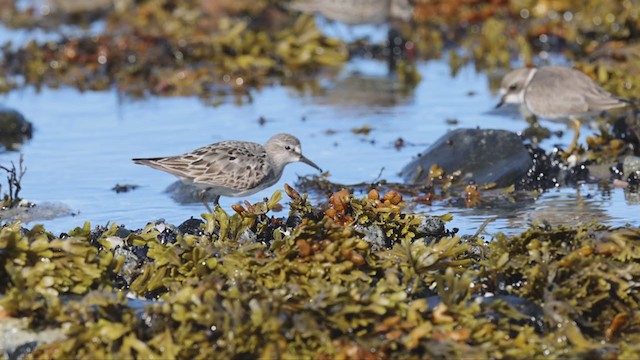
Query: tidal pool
[[83, 143]]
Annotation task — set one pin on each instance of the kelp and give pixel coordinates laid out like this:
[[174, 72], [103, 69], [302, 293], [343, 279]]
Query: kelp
[[161, 48], [214, 48], [311, 285]]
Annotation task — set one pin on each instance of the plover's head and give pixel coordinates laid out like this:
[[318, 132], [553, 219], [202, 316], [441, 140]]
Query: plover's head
[[513, 86], [285, 148]]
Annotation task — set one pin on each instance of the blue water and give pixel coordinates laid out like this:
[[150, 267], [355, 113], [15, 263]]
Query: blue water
[[83, 143]]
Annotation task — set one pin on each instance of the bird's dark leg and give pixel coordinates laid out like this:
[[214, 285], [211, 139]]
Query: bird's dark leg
[[203, 192], [395, 49], [216, 200]]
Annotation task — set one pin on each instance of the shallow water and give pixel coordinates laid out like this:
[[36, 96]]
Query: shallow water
[[83, 143]]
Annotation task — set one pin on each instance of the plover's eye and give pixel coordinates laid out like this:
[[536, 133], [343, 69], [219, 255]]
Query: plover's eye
[[287, 147], [513, 87]]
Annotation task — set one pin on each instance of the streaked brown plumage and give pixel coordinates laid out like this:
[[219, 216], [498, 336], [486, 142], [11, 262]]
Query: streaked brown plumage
[[233, 168]]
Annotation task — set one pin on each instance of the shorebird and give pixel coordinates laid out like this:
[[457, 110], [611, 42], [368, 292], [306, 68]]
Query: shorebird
[[357, 12], [232, 168], [556, 92]]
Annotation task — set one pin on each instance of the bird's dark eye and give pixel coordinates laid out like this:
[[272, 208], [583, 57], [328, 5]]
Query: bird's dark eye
[[513, 87], [287, 147]]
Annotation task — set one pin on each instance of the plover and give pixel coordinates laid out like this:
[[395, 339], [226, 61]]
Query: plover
[[233, 168], [356, 12], [556, 92]]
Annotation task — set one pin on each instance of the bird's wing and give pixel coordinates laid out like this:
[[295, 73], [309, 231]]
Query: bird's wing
[[231, 164], [600, 100], [572, 92], [552, 93]]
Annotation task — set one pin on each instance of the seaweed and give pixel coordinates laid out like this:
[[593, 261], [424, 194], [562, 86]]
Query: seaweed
[[249, 284]]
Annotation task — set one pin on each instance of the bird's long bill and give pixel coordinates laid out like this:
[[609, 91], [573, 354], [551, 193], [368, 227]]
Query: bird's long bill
[[501, 102], [309, 162]]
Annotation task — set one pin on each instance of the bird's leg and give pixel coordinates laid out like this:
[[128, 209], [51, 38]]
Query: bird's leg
[[574, 143], [203, 192], [216, 200], [395, 49]]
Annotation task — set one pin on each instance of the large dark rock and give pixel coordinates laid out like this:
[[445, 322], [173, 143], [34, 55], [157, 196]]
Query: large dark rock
[[14, 129], [484, 156]]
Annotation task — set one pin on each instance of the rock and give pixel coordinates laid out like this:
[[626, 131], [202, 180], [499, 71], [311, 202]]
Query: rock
[[192, 226], [14, 128], [247, 237], [374, 235], [168, 234], [39, 212], [123, 188], [483, 156], [17, 340], [630, 165], [115, 241], [430, 226], [131, 263]]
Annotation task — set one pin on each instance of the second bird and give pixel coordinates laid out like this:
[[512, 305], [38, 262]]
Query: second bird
[[355, 12], [555, 92], [233, 168]]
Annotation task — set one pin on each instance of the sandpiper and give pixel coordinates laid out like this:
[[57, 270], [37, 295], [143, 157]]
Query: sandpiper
[[233, 168], [356, 12], [556, 92]]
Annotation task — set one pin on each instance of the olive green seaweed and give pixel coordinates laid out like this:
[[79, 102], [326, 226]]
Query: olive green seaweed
[[318, 289]]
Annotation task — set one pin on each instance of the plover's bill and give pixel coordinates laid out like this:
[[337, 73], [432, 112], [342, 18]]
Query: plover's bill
[[555, 92], [355, 12], [233, 168]]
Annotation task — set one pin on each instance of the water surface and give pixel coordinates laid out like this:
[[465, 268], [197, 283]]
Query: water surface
[[83, 143]]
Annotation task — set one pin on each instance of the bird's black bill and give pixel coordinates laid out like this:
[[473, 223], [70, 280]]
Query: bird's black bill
[[500, 103], [309, 162]]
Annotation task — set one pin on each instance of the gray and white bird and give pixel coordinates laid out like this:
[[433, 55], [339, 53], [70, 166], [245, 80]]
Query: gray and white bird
[[555, 92], [356, 12], [233, 168]]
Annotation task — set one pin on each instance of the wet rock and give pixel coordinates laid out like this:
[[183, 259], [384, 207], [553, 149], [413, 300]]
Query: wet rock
[[14, 128], [21, 351], [115, 241], [532, 314], [17, 340], [631, 165], [28, 212], [374, 235], [123, 232], [191, 226], [247, 237], [168, 233], [128, 268], [431, 227], [123, 188], [483, 156]]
